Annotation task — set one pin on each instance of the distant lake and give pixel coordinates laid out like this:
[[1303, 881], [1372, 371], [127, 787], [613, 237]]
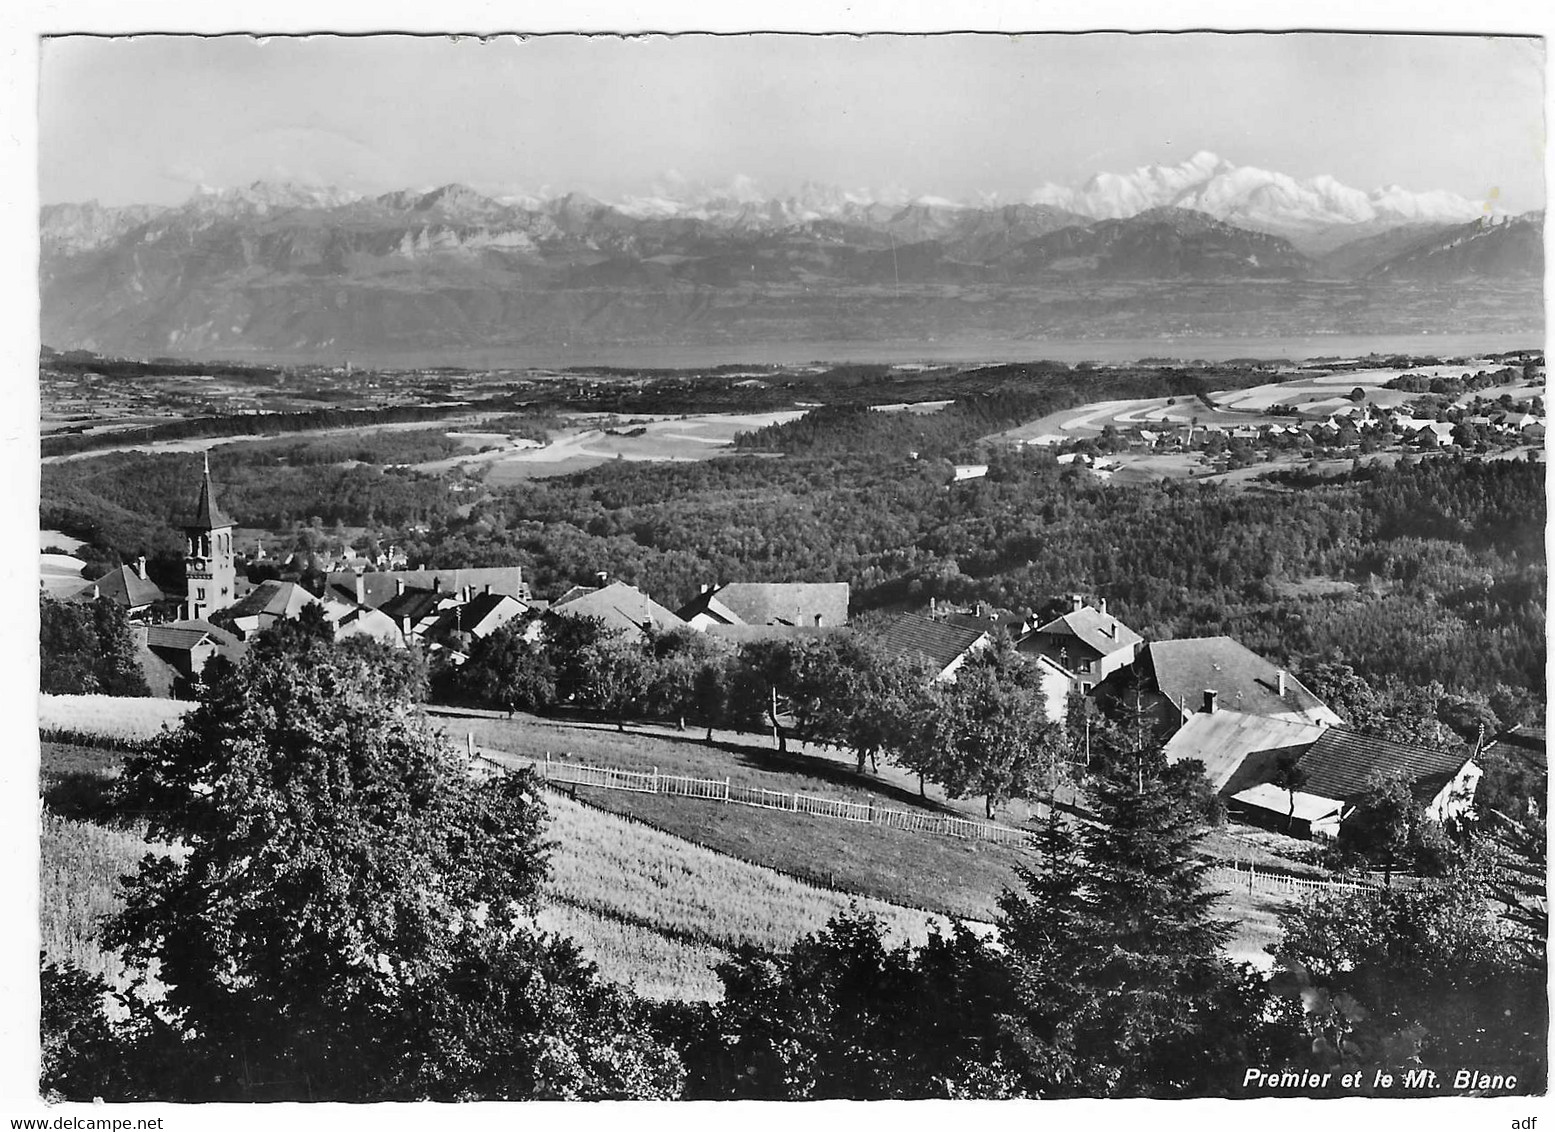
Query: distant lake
[[1068, 350]]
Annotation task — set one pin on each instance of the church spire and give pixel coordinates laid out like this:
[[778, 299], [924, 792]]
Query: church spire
[[207, 513]]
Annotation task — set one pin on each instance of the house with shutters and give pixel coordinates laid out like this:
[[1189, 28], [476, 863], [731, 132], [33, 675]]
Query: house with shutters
[[1086, 641]]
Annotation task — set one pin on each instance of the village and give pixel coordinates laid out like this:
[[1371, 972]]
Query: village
[[1274, 754]]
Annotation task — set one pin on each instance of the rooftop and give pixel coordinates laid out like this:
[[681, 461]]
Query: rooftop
[[1238, 749], [1101, 632], [942, 642], [618, 605], [774, 603], [1244, 681], [1343, 764]]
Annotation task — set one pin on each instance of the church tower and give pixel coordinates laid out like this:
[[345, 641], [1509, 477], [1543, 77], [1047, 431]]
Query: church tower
[[208, 565]]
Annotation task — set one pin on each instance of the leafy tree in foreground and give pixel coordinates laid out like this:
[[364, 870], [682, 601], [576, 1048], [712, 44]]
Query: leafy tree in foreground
[[350, 899], [844, 1016], [1424, 976]]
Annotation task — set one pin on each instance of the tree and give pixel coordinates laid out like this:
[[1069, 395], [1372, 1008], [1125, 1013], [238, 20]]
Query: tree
[[1387, 824], [1424, 976], [843, 1016], [506, 670], [1166, 1014], [615, 677], [87, 648], [992, 735], [1290, 777], [348, 896]]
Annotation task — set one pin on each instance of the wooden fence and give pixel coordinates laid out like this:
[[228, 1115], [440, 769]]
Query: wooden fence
[[1254, 879], [724, 790]]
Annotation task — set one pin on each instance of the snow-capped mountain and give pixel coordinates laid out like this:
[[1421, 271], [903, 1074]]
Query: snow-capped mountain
[[1256, 198]]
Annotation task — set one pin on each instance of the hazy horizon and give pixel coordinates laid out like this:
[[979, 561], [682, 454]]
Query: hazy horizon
[[149, 119]]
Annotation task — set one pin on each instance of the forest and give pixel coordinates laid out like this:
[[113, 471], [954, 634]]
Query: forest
[[1432, 570]]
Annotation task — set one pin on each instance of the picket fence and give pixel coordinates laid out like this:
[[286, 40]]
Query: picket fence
[[1254, 879], [725, 790], [568, 773]]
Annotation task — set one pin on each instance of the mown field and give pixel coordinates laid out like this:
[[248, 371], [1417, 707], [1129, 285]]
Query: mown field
[[654, 911], [109, 717]]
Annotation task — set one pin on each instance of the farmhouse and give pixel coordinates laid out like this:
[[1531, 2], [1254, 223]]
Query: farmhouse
[[818, 604], [1341, 765], [1239, 750], [1245, 757], [1086, 641], [1176, 677]]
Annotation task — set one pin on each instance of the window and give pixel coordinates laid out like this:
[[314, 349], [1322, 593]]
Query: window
[[199, 593]]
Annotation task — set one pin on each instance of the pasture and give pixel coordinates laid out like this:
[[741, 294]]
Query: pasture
[[592, 442]]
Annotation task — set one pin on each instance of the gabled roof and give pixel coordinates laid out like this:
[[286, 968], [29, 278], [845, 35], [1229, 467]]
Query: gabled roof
[[619, 606], [708, 605], [277, 598], [121, 585], [773, 603], [473, 616], [942, 642], [182, 636], [1245, 682], [415, 605], [375, 623], [379, 586], [1342, 764], [1100, 632], [1238, 749], [207, 513]]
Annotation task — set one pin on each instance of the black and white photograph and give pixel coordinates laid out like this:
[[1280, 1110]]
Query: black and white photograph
[[980, 566]]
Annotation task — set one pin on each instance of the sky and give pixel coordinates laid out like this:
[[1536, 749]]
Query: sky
[[147, 119]]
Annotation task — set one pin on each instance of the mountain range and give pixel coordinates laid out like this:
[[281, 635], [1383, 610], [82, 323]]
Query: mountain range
[[298, 269]]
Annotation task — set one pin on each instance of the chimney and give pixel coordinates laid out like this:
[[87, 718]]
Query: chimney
[[1103, 606], [140, 566], [487, 590], [601, 575], [361, 589], [399, 586], [1209, 701], [1279, 683], [1076, 602], [437, 584], [707, 587]]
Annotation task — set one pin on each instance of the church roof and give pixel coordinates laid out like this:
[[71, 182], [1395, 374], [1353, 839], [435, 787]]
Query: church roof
[[207, 513]]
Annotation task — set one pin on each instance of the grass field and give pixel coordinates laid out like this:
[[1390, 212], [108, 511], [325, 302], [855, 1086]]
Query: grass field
[[746, 760], [631, 871], [79, 864], [651, 963], [110, 717]]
